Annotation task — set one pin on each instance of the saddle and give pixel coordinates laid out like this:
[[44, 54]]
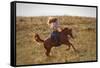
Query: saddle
[[55, 37]]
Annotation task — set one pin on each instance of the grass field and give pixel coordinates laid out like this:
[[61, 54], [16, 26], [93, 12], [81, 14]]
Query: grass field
[[28, 51]]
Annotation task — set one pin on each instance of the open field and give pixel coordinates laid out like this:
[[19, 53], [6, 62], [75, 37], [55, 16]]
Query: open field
[[28, 51]]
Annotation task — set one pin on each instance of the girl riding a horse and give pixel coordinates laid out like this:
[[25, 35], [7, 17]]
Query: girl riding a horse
[[55, 29], [58, 36]]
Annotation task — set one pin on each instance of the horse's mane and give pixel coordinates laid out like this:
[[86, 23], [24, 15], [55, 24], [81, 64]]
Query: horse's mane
[[66, 28]]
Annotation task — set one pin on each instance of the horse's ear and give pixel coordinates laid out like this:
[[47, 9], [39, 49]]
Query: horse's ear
[[36, 34]]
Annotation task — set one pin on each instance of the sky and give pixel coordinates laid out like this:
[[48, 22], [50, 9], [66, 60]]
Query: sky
[[26, 9]]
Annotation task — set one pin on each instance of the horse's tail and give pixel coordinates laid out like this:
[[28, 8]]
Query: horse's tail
[[38, 39]]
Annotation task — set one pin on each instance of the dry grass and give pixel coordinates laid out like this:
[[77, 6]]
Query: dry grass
[[31, 52]]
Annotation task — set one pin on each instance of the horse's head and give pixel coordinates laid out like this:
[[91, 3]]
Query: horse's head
[[68, 31]]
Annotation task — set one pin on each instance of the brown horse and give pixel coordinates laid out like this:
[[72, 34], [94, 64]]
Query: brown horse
[[64, 39]]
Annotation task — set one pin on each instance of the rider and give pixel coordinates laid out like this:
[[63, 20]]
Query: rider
[[55, 27]]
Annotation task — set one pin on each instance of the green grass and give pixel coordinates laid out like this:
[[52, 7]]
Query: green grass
[[28, 51]]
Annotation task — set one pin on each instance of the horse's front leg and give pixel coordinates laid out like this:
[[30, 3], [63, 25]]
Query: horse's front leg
[[70, 44], [73, 47]]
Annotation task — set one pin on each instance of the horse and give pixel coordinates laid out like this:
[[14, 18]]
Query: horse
[[64, 39]]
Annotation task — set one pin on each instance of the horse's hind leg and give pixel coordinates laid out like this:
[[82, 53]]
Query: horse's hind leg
[[48, 51]]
